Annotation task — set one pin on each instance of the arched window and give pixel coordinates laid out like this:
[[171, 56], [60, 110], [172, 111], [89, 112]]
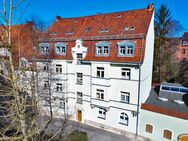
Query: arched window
[[126, 48], [167, 134], [124, 119], [102, 48], [149, 128], [44, 48], [60, 48]]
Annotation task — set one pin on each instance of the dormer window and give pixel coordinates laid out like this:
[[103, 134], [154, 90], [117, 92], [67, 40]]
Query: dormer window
[[44, 48], [102, 48], [126, 29], [53, 33], [69, 33], [60, 48], [104, 30], [87, 29], [126, 48], [132, 28]]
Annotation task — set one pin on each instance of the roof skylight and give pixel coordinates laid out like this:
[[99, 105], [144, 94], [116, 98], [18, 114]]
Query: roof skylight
[[104, 30], [162, 99]]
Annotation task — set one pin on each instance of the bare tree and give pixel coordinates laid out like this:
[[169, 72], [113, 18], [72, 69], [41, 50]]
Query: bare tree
[[20, 105]]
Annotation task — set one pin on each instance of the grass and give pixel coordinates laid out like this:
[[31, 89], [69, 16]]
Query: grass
[[77, 136]]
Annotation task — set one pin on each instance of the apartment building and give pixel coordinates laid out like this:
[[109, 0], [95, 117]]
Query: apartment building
[[99, 67]]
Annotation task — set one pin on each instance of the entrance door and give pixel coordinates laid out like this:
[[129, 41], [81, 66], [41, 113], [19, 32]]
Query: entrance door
[[183, 138], [79, 116]]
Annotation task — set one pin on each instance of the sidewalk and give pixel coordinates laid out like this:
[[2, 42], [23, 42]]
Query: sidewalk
[[96, 134]]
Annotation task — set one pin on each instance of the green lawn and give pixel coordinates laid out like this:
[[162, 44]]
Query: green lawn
[[77, 136]]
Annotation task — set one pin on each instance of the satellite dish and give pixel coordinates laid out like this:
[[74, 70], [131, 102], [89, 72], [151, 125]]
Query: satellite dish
[[185, 99]]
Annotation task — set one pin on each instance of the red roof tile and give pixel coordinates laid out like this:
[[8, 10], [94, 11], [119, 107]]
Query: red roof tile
[[164, 111], [88, 29]]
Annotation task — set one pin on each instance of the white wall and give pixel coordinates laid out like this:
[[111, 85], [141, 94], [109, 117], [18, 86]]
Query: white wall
[[147, 66]]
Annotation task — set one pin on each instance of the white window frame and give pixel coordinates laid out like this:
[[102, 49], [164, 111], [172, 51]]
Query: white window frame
[[100, 94], [79, 79], [102, 48], [58, 68], [102, 113], [79, 56], [59, 87], [124, 119], [126, 73], [60, 48], [44, 48], [46, 85], [100, 72], [126, 49], [126, 96], [45, 67], [79, 98]]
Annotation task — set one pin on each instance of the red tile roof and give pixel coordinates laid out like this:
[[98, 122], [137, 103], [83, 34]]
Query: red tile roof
[[22, 41], [139, 20], [89, 28], [164, 111]]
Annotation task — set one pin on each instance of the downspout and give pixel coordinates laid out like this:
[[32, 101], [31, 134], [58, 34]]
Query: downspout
[[138, 98]]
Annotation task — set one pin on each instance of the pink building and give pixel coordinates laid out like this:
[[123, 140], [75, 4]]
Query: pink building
[[182, 49]]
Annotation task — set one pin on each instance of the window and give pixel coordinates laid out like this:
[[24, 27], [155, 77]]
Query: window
[[102, 48], [59, 87], [46, 84], [45, 67], [79, 97], [167, 134], [44, 48], [183, 51], [125, 97], [125, 48], [122, 50], [100, 94], [100, 72], [130, 50], [79, 78], [60, 48], [58, 68], [79, 56], [104, 30], [126, 73], [185, 42], [102, 113], [124, 119], [149, 128]]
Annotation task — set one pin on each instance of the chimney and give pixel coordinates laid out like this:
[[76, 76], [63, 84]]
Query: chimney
[[58, 18], [150, 7]]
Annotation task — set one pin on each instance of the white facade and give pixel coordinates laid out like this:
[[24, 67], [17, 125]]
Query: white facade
[[110, 100]]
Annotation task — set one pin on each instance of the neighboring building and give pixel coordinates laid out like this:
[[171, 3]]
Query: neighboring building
[[164, 115], [182, 48], [100, 67]]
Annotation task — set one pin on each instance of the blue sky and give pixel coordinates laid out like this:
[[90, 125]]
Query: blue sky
[[48, 9]]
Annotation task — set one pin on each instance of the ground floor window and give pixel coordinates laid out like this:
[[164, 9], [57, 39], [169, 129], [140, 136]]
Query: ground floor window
[[102, 113], [149, 128], [167, 134], [124, 119]]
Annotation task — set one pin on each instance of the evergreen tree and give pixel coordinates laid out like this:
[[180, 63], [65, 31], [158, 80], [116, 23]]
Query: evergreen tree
[[165, 27]]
